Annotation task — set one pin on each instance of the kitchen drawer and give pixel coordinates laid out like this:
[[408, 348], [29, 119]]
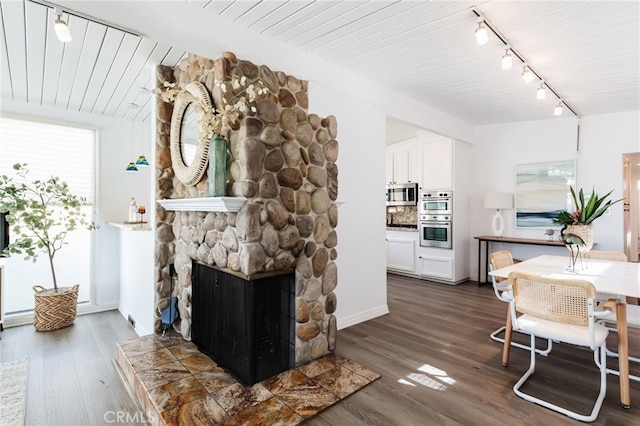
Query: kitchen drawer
[[436, 267]]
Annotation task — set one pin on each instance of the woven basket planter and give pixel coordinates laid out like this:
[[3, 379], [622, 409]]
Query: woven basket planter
[[53, 309], [583, 231]]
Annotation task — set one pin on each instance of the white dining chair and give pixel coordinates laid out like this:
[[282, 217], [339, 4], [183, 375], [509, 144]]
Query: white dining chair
[[617, 256], [502, 259], [563, 310]]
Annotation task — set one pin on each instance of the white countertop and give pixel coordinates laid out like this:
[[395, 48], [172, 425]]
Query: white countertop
[[135, 226]]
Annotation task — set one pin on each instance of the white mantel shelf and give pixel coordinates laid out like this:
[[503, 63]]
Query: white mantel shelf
[[204, 204]]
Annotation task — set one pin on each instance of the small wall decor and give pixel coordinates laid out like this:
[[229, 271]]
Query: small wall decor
[[543, 191]]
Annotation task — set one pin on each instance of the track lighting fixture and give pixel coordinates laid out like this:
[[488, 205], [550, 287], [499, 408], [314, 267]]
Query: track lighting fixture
[[558, 109], [481, 33], [527, 74], [507, 59], [61, 28]]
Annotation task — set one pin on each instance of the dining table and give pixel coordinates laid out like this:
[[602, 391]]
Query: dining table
[[620, 279]]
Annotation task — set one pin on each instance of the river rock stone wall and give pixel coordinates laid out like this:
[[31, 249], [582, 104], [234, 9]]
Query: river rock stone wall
[[284, 163]]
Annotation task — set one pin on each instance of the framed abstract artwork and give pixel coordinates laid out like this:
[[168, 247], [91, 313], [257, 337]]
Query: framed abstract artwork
[[543, 191]]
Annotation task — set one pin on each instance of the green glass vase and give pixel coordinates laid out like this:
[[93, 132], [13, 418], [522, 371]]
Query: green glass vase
[[217, 166]]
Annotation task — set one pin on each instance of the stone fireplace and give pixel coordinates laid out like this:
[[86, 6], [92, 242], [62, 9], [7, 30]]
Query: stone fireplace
[[284, 166]]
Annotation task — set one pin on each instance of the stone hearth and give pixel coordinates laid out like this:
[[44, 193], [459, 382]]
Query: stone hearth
[[177, 385]]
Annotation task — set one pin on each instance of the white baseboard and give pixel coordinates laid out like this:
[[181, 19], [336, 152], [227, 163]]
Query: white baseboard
[[27, 318], [362, 316]]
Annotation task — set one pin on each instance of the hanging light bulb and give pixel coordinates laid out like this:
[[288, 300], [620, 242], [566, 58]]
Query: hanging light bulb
[[541, 93], [558, 109], [527, 74], [61, 28], [507, 59], [482, 37]]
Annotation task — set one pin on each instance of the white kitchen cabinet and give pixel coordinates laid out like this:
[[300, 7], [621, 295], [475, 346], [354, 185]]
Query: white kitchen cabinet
[[437, 267], [437, 165], [404, 164], [398, 165], [401, 253], [415, 164]]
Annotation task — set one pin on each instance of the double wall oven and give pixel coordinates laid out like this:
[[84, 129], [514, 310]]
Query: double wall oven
[[436, 213]]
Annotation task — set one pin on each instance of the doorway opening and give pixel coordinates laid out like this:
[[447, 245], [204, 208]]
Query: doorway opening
[[631, 210]]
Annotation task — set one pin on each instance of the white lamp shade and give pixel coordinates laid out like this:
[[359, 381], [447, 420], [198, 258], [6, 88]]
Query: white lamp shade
[[498, 200]]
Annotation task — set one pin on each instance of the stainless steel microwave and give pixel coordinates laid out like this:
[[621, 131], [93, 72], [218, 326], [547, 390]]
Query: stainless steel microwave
[[402, 194]]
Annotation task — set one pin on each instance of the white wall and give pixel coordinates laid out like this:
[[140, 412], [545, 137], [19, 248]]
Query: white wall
[[362, 284], [114, 187], [603, 140]]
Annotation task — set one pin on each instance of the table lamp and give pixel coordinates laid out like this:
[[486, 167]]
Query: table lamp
[[498, 200]]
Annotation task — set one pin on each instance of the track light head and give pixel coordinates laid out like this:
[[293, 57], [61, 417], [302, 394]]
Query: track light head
[[558, 109], [61, 28], [527, 74], [482, 37], [507, 59], [541, 93]]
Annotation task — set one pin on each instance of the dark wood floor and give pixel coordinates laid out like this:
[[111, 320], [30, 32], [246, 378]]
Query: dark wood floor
[[439, 366], [437, 363], [72, 380]]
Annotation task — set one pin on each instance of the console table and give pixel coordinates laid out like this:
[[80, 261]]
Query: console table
[[512, 240]]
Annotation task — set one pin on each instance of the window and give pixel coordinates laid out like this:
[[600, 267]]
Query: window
[[50, 150]]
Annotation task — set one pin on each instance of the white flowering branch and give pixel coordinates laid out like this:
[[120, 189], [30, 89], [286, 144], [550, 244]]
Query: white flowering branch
[[212, 120]]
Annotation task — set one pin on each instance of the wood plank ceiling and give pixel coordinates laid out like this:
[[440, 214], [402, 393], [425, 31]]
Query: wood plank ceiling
[[589, 52]]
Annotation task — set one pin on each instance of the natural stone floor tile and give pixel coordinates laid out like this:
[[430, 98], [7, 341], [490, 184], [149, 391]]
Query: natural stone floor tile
[[236, 398], [362, 371], [272, 412], [308, 398], [184, 350], [198, 412], [175, 394], [285, 380], [158, 376], [140, 346], [198, 363], [171, 339], [216, 379], [319, 366], [171, 377], [152, 359], [341, 381]]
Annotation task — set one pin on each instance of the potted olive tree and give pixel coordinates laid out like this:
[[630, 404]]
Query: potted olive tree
[[41, 214]]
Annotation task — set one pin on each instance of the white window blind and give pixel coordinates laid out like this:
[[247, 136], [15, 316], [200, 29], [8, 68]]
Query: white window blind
[[49, 150]]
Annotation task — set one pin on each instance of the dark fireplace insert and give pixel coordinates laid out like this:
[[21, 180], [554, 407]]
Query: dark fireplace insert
[[246, 324]]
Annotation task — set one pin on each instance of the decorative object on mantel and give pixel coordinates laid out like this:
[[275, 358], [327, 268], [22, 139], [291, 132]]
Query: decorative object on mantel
[[217, 166], [193, 102], [42, 214], [498, 200], [189, 150]]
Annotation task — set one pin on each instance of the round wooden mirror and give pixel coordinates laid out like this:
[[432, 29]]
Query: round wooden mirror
[[189, 152]]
